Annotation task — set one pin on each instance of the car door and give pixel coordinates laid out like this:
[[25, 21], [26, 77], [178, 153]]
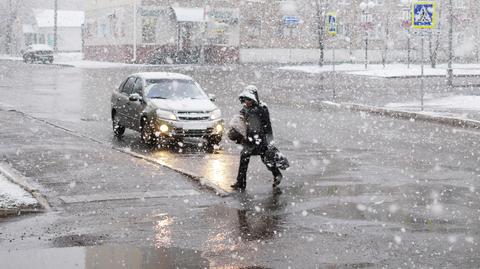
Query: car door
[[136, 107], [122, 101]]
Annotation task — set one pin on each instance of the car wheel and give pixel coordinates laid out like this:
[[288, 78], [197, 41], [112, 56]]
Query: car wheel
[[146, 134], [210, 144], [118, 129]]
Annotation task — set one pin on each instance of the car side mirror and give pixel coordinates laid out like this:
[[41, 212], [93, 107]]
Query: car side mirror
[[134, 97], [212, 97]]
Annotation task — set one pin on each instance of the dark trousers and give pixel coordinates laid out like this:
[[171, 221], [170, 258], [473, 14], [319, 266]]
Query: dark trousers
[[248, 151]]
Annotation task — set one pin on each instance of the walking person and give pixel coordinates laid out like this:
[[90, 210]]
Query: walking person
[[258, 137]]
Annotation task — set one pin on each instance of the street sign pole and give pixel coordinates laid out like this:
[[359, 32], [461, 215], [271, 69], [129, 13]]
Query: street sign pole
[[423, 19], [332, 31], [422, 73]]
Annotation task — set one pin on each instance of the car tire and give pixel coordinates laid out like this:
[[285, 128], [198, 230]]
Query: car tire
[[146, 135], [210, 144], [118, 130]]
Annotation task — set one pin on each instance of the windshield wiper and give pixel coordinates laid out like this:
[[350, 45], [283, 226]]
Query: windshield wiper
[[157, 97]]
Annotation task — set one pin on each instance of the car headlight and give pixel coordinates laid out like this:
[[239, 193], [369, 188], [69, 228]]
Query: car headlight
[[166, 114], [216, 114]]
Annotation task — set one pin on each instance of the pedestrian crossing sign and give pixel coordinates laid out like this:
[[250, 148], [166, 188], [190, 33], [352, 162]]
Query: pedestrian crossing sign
[[423, 15], [331, 23]]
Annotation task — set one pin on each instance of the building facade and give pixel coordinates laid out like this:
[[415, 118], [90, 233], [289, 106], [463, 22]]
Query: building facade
[[161, 31], [272, 31]]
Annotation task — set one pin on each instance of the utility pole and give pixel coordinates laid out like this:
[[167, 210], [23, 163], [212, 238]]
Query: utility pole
[[450, 44], [55, 24]]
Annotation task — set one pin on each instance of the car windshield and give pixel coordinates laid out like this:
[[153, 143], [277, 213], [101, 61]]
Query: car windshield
[[174, 89]]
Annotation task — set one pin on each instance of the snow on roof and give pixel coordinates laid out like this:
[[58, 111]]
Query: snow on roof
[[40, 47], [162, 75], [65, 18], [189, 14]]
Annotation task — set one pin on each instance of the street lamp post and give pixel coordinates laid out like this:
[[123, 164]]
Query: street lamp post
[[364, 7]]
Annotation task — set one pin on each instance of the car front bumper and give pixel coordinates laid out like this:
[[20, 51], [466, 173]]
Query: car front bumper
[[212, 130]]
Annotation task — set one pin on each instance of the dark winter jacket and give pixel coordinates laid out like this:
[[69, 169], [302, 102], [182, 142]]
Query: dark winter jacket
[[259, 127]]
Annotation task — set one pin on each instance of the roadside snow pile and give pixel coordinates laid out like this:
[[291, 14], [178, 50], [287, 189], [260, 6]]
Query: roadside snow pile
[[388, 71], [13, 197], [459, 102]]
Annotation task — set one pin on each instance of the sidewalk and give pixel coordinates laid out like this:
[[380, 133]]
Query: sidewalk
[[459, 104], [59, 165]]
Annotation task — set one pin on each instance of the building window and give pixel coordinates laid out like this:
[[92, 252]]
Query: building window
[[103, 29], [254, 28], [148, 29]]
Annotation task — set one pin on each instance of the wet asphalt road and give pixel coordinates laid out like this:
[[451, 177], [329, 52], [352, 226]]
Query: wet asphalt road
[[362, 191]]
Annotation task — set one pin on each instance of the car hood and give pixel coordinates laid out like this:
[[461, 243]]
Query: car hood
[[188, 105]]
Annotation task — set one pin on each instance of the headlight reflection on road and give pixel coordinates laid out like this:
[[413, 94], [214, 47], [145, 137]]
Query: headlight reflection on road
[[216, 171], [219, 169]]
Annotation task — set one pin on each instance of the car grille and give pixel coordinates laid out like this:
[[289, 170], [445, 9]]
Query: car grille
[[196, 116]]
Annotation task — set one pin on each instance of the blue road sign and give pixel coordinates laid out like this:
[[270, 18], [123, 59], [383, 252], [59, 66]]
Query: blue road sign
[[332, 23], [291, 20], [423, 15]]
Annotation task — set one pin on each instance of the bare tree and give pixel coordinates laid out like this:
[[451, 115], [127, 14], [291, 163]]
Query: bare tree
[[321, 29], [434, 40], [386, 40]]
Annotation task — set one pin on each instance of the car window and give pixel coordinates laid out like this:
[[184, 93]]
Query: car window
[[128, 87], [120, 88], [174, 89], [137, 88]]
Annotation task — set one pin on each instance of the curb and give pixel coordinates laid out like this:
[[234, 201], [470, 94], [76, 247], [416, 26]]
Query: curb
[[203, 182], [52, 64], [455, 122], [218, 191], [16, 178]]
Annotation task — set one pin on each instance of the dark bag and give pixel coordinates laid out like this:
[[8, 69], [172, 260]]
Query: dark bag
[[273, 157], [235, 136]]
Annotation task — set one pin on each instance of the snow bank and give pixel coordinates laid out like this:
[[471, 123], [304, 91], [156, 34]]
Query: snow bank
[[13, 196]]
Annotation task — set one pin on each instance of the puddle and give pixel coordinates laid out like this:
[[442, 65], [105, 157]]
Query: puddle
[[104, 257]]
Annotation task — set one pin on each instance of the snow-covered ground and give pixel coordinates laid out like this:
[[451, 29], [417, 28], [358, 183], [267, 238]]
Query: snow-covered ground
[[12, 196], [389, 71], [457, 106], [463, 102]]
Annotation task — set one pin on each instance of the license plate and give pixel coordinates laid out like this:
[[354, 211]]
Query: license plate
[[195, 126]]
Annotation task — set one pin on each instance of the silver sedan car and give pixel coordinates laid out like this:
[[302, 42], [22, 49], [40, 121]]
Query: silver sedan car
[[166, 108]]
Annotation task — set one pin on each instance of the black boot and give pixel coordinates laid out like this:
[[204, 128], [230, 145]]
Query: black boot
[[277, 177], [238, 186]]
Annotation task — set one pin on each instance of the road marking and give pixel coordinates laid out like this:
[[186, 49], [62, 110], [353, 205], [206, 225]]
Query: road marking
[[126, 196]]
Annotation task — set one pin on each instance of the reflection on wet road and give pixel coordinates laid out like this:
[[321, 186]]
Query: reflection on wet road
[[218, 167]]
